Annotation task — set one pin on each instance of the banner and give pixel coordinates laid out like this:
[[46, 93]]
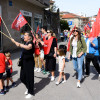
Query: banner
[[37, 29], [0, 21], [96, 26], [19, 22]]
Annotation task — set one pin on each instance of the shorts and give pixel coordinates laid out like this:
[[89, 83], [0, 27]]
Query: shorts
[[8, 74], [42, 54], [1, 75]]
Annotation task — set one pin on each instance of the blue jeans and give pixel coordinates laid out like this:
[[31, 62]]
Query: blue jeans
[[77, 63]]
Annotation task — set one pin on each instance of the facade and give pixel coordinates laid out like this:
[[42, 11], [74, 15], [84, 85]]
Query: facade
[[74, 19], [33, 11]]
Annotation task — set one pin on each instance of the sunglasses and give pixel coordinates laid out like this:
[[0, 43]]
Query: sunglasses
[[75, 30], [48, 32]]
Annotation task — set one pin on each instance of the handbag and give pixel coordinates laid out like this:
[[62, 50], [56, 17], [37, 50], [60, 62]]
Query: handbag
[[90, 55], [20, 62]]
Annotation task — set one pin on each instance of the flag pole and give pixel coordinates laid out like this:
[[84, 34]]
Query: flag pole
[[31, 28], [5, 35], [6, 27]]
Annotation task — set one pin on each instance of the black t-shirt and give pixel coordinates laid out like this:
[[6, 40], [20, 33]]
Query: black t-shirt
[[28, 54]]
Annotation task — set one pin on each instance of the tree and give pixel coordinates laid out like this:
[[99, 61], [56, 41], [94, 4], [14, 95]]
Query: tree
[[64, 25]]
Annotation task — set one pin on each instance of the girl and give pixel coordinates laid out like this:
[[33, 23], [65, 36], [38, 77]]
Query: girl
[[61, 59]]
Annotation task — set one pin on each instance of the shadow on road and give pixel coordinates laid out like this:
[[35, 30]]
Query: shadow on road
[[41, 84]]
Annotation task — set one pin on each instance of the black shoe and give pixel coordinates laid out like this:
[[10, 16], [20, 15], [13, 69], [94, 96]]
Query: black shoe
[[14, 84], [74, 74], [2, 92]]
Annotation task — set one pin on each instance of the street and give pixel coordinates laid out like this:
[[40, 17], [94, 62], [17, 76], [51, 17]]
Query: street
[[46, 90]]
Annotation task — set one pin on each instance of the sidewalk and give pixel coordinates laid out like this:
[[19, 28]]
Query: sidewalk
[[46, 90]]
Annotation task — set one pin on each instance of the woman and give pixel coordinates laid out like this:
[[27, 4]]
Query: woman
[[27, 68], [92, 53], [50, 53], [77, 50]]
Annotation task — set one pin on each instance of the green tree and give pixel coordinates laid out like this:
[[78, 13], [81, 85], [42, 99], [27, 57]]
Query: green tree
[[64, 25]]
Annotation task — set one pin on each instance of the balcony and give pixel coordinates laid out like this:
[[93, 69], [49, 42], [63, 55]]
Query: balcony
[[40, 3]]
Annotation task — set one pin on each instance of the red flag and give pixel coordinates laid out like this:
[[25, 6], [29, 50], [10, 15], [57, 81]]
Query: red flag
[[72, 30], [0, 20], [87, 27], [96, 26], [37, 29], [19, 22], [68, 45]]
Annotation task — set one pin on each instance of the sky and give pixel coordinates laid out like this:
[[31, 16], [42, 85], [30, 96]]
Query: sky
[[88, 7]]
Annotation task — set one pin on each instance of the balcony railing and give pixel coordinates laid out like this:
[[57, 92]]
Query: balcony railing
[[41, 3]]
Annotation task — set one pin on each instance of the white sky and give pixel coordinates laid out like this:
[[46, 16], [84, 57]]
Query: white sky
[[88, 7]]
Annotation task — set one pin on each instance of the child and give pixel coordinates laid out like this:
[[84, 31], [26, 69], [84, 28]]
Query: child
[[61, 59], [9, 70], [2, 70]]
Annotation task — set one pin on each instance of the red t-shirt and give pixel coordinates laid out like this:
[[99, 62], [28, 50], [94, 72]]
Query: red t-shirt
[[2, 63]]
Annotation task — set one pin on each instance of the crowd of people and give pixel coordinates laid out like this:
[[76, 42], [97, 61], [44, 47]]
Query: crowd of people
[[40, 52]]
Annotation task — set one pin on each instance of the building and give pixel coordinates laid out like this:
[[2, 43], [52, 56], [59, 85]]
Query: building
[[33, 11], [74, 19]]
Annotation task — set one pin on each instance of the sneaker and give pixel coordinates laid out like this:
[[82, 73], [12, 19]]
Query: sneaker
[[57, 83], [2, 93], [39, 70], [78, 85], [44, 72], [14, 84], [4, 89], [64, 81], [7, 88], [36, 69], [99, 77], [52, 78], [26, 92], [28, 96]]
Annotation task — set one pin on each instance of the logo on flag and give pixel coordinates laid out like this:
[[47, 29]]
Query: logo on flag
[[19, 22]]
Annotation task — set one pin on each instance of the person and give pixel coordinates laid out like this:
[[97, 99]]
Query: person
[[77, 50], [65, 33], [9, 71], [99, 46], [2, 70], [37, 55], [50, 53], [61, 59], [62, 36], [27, 68], [92, 53], [42, 51]]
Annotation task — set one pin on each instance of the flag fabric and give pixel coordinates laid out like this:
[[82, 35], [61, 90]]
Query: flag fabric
[[19, 22], [87, 27], [68, 45], [96, 26], [0, 20], [37, 29]]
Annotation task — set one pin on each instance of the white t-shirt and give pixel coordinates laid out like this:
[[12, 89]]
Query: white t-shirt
[[74, 44], [60, 58]]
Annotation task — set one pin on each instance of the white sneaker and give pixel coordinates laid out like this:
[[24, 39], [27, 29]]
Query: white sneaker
[[52, 78], [28, 96], [64, 81], [36, 69], [57, 83], [78, 85], [39, 70], [26, 92]]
